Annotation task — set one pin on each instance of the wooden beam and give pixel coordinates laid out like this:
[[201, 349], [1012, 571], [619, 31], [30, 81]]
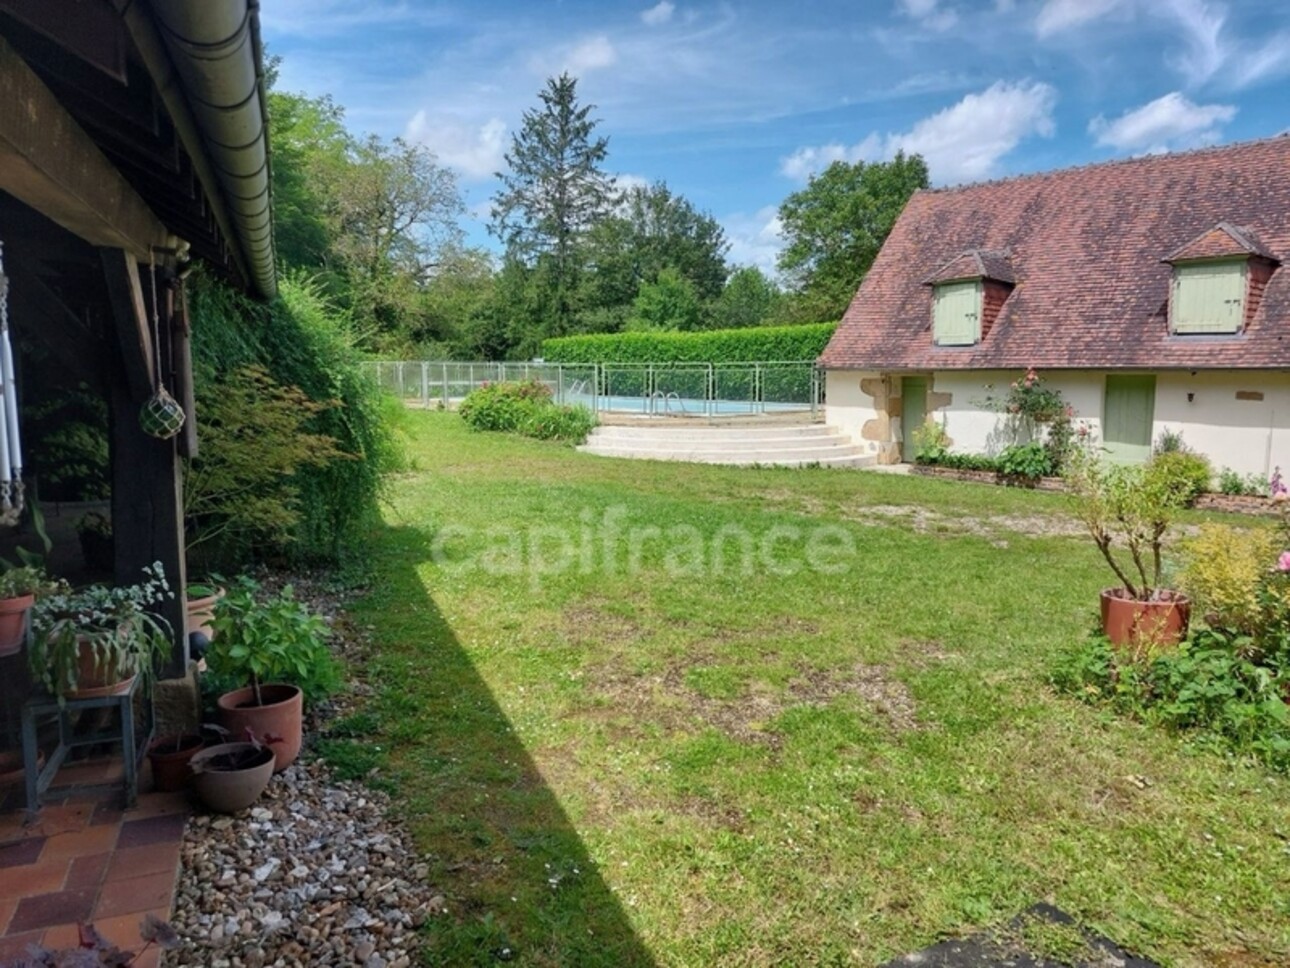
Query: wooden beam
[[147, 513], [182, 350], [78, 350], [134, 336], [48, 161]]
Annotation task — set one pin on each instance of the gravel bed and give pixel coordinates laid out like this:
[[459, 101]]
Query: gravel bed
[[317, 872]]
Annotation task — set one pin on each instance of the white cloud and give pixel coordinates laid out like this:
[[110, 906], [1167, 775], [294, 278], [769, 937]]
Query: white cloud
[[1167, 122], [1059, 15], [473, 150], [963, 142], [755, 239], [929, 13], [592, 54], [658, 14], [1202, 27]]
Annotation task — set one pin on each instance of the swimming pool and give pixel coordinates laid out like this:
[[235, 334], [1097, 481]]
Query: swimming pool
[[676, 406]]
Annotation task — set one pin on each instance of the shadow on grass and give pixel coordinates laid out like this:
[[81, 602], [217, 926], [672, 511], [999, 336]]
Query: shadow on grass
[[518, 882]]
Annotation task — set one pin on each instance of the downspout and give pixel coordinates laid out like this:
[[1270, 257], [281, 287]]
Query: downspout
[[207, 63]]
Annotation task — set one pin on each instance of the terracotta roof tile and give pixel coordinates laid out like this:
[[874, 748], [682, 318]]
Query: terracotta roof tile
[[975, 264], [1085, 247], [1224, 239]]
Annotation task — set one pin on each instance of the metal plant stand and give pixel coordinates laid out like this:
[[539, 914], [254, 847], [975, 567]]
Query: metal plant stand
[[134, 741]]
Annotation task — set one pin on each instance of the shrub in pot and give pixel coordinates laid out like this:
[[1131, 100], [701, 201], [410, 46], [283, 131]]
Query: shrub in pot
[[278, 648], [231, 776], [170, 756], [1127, 510], [94, 641], [19, 587]]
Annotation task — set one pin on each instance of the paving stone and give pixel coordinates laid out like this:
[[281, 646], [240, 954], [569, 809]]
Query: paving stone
[[136, 894], [47, 910], [22, 852], [87, 871], [152, 830]]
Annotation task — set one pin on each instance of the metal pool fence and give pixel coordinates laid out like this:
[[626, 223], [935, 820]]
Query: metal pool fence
[[660, 389]]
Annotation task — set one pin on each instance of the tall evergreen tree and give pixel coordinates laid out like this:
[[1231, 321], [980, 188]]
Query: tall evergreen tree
[[552, 193]]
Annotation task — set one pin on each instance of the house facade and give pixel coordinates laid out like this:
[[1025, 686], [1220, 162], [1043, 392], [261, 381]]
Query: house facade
[[1150, 293]]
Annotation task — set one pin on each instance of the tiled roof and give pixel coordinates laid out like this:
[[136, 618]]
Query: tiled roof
[[1085, 246], [975, 264]]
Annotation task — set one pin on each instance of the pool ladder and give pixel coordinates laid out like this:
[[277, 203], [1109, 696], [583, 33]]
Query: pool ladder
[[658, 396]]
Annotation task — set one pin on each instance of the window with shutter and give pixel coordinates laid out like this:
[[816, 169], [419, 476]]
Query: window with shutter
[[1208, 297], [956, 314]]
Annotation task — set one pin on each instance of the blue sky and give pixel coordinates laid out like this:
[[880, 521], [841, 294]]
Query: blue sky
[[735, 104]]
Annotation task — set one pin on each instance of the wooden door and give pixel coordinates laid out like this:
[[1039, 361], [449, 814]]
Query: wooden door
[[913, 411], [1127, 415]]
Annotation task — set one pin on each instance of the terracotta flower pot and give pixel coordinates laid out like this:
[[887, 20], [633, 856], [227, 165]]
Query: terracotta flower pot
[[95, 679], [169, 757], [13, 623], [281, 716], [201, 613], [1135, 626], [225, 789]]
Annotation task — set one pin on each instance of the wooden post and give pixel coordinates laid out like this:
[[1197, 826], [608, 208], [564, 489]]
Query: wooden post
[[182, 359], [147, 489]]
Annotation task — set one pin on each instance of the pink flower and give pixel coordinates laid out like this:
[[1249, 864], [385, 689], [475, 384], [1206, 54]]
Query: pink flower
[[1283, 563]]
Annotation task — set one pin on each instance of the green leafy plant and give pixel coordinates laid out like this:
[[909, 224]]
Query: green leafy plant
[[1249, 485], [1126, 509], [1222, 569], [29, 580], [263, 638], [1193, 472], [1026, 462], [1030, 399], [112, 624], [1169, 442], [931, 442], [525, 407]]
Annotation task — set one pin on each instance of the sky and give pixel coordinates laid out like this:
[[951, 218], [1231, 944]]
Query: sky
[[736, 104]]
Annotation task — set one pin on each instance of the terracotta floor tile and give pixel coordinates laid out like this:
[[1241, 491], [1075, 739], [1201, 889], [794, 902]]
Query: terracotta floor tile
[[40, 878], [107, 811], [61, 819], [87, 871], [89, 840], [152, 830], [20, 853], [123, 930], [137, 894], [12, 825], [138, 861], [15, 945], [62, 936], [47, 910], [159, 805], [7, 906]]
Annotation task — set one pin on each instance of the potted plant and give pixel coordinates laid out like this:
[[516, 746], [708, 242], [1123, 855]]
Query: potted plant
[[94, 641], [1127, 510], [276, 646], [169, 757], [201, 598], [94, 529], [19, 587], [231, 776]]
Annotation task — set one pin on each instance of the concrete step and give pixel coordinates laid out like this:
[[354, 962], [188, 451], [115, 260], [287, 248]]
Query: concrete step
[[824, 457], [740, 434], [671, 445]]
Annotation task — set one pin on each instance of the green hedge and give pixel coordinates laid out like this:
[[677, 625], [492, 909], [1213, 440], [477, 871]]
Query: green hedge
[[760, 344]]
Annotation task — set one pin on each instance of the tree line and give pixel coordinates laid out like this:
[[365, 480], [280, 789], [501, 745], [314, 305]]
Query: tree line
[[377, 224]]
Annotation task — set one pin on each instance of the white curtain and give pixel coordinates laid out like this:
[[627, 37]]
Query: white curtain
[[11, 488]]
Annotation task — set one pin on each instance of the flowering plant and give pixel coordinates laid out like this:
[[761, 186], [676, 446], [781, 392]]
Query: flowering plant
[[1031, 399], [110, 626]]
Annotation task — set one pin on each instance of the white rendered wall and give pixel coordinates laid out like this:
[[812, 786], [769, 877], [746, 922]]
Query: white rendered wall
[[848, 407], [1247, 434]]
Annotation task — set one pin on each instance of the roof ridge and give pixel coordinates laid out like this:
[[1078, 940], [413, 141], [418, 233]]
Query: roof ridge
[[1107, 163]]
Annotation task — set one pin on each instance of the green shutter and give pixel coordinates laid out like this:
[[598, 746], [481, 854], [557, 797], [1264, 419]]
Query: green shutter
[[913, 411], [956, 314], [1127, 417], [1209, 298]]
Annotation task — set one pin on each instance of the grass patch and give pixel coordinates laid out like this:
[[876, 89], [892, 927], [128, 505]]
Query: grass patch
[[641, 762]]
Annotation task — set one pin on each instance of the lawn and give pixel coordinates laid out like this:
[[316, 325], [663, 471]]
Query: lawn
[[618, 746]]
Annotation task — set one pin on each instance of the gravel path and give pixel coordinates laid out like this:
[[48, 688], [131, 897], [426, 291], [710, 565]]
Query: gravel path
[[318, 872]]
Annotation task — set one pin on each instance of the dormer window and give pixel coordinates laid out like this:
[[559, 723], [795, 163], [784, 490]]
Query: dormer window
[[1215, 277], [968, 293], [956, 314]]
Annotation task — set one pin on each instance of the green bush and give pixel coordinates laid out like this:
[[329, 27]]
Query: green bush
[[525, 407], [1208, 687], [762, 344], [302, 341], [1028, 462], [263, 638], [1191, 473], [1232, 483]]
